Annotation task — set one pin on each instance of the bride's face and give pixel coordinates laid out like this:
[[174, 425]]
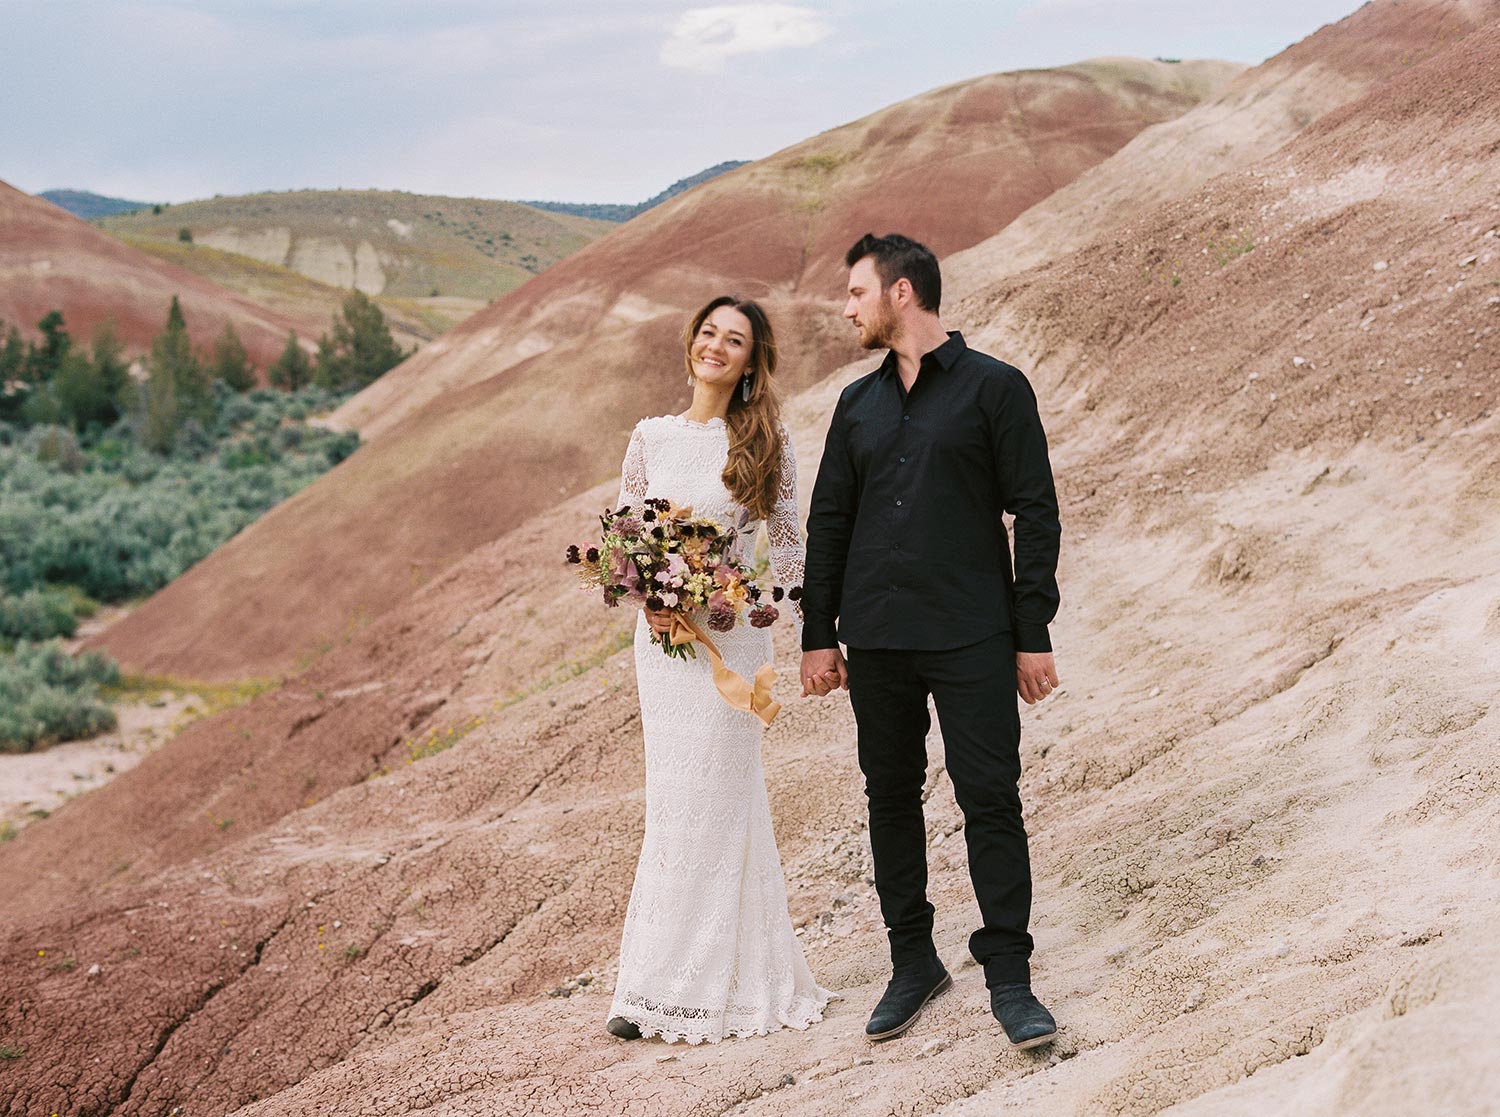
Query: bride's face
[[720, 350]]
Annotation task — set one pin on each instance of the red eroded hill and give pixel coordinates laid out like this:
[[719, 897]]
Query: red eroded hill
[[1262, 805], [950, 167], [531, 401], [50, 260], [1246, 120]]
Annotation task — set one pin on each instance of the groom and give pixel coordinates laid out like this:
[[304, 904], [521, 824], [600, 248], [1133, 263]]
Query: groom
[[908, 553]]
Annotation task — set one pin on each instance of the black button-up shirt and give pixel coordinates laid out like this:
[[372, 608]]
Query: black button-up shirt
[[906, 547]]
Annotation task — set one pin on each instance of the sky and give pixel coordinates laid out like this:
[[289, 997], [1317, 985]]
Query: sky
[[575, 100]]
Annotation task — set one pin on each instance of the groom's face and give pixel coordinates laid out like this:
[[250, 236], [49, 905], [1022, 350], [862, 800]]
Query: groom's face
[[869, 306]]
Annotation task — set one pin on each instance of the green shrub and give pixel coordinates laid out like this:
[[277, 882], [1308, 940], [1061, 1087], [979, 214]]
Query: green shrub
[[47, 695], [37, 614], [118, 522]]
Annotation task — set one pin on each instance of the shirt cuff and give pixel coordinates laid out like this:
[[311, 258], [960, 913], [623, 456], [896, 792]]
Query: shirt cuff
[[818, 634], [1029, 637]]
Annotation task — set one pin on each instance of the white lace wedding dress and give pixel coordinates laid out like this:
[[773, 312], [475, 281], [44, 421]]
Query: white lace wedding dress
[[708, 949]]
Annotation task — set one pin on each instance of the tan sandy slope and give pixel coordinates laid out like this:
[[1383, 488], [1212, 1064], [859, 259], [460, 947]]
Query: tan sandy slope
[[1264, 806], [532, 400]]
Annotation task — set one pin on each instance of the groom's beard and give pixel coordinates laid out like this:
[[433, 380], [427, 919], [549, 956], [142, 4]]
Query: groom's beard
[[880, 332]]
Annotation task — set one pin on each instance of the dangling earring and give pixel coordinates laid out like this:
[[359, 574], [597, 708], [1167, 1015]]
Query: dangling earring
[[745, 388]]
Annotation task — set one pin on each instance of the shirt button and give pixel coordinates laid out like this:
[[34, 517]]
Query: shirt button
[[898, 504], [894, 588], [903, 461], [895, 546], [906, 418]]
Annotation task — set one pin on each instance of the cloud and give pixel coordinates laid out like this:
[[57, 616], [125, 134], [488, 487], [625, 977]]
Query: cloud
[[702, 38]]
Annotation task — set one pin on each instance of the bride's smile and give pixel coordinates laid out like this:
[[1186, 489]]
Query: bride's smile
[[721, 347]]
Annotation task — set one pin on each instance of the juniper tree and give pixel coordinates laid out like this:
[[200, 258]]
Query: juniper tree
[[360, 347], [231, 363], [292, 369]]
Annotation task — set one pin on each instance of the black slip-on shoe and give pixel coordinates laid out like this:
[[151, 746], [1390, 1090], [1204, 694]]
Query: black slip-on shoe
[[1026, 1022], [905, 997], [624, 1029]]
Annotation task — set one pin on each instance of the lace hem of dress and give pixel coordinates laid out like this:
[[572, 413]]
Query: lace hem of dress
[[671, 1025]]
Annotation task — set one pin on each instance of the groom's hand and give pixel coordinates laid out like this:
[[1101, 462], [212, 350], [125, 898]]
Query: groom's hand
[[1036, 676], [823, 672]]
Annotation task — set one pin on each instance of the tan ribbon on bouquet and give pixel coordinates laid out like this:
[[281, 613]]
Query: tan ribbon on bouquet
[[734, 689]]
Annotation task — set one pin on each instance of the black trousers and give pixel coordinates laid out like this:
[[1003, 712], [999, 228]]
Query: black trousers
[[974, 689]]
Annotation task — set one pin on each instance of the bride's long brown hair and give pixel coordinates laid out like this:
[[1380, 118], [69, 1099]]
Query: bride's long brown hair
[[753, 472]]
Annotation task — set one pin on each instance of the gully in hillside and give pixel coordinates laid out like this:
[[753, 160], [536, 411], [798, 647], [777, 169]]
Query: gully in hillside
[[909, 567]]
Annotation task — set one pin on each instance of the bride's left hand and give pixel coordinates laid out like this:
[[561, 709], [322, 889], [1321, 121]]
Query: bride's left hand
[[660, 620]]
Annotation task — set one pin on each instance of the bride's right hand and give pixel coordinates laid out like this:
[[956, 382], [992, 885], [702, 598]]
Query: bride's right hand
[[660, 620]]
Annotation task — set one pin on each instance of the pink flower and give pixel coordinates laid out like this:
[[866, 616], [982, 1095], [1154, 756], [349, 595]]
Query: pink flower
[[622, 571]]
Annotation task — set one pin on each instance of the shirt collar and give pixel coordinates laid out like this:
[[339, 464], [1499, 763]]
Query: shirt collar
[[944, 355]]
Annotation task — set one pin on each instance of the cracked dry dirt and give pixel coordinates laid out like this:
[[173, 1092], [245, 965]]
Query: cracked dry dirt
[[1264, 804]]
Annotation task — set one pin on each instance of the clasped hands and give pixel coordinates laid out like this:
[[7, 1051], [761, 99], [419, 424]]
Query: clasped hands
[[824, 671]]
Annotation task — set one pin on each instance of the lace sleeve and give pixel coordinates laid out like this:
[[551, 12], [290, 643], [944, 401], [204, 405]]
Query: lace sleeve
[[784, 531], [633, 471]]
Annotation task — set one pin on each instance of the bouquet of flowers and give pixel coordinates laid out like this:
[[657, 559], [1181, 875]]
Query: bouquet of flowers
[[665, 557]]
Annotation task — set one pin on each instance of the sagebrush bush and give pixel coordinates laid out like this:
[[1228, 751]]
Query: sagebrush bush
[[47, 695], [37, 614], [103, 518], [128, 521]]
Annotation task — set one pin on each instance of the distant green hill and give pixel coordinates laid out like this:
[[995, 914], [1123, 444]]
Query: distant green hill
[[82, 203], [604, 211], [384, 242]]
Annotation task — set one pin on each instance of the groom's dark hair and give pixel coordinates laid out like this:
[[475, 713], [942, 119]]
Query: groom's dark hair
[[897, 257]]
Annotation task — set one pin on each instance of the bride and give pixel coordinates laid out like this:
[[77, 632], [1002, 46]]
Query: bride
[[708, 949]]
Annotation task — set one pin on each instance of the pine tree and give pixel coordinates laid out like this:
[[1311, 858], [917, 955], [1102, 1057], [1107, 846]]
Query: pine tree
[[88, 391], [172, 353], [12, 357], [360, 348], [231, 363], [110, 365], [292, 369], [45, 359], [176, 385], [157, 413], [81, 397], [13, 388]]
